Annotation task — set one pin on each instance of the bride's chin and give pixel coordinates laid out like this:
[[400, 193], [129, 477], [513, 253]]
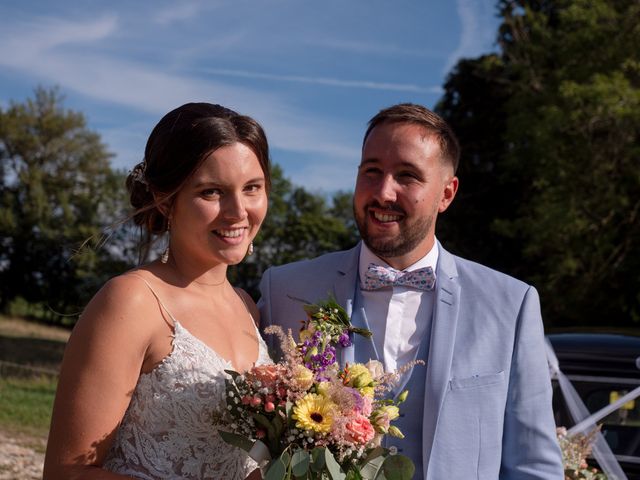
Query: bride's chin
[[231, 258]]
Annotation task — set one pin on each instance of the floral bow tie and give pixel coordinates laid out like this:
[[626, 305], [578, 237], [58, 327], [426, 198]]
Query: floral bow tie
[[379, 277]]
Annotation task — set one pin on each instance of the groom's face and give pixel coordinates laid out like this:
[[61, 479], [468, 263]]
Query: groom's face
[[402, 185]]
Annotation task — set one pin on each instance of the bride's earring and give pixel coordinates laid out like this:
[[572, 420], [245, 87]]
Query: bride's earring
[[164, 258], [250, 249]]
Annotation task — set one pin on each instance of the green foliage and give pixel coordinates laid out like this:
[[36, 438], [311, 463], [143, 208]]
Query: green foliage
[[57, 191], [550, 129]]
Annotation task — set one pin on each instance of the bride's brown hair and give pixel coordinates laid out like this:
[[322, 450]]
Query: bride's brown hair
[[176, 148]]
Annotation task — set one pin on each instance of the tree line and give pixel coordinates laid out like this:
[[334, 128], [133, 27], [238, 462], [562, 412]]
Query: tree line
[[550, 177], [64, 211], [550, 174]]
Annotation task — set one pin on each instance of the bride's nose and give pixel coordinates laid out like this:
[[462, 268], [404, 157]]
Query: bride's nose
[[235, 207]]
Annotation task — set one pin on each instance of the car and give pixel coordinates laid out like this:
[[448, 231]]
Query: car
[[602, 368]]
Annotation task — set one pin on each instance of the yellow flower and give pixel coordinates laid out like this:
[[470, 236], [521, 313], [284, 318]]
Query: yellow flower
[[360, 377], [314, 412], [382, 417], [303, 377], [323, 388]]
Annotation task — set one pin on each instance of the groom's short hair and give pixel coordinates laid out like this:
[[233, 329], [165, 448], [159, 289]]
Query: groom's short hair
[[419, 115]]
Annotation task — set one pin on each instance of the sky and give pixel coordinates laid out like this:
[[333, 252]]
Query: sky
[[312, 73]]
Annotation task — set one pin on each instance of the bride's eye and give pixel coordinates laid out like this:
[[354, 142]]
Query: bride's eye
[[253, 188], [210, 193]]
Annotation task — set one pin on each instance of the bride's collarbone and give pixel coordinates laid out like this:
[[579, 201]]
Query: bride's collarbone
[[227, 329]]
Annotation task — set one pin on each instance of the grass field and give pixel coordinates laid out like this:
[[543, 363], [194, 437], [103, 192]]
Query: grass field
[[25, 405], [30, 356]]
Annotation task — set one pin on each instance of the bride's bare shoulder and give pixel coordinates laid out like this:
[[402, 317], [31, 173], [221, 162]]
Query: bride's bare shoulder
[[127, 298]]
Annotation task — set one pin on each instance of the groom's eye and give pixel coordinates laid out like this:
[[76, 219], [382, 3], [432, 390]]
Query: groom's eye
[[372, 171], [408, 176]]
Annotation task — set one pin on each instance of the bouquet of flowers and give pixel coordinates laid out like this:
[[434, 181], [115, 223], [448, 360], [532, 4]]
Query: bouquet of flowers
[[305, 417], [575, 450]]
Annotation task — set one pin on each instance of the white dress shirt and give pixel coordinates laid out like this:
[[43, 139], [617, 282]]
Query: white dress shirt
[[398, 316]]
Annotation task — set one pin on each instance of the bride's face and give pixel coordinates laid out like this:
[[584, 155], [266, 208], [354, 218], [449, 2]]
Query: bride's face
[[220, 209]]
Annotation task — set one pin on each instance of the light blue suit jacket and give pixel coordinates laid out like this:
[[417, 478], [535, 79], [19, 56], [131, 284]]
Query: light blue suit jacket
[[487, 405]]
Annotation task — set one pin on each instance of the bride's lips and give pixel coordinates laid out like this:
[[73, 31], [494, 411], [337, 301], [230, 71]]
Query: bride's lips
[[231, 236]]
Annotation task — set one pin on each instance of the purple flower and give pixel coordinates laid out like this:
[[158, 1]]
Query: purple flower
[[344, 339]]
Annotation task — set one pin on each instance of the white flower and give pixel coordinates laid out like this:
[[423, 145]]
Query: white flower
[[376, 368]]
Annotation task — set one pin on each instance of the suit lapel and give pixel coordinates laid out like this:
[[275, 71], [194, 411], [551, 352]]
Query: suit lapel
[[441, 347], [344, 291], [345, 283]]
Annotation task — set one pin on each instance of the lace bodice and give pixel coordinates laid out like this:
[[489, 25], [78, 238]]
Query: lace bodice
[[168, 431]]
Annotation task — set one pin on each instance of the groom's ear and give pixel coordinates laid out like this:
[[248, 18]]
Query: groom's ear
[[449, 190]]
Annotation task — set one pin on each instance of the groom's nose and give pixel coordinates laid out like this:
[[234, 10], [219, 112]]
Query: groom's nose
[[386, 190]]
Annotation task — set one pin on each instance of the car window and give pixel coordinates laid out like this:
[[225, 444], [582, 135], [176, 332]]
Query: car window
[[622, 427]]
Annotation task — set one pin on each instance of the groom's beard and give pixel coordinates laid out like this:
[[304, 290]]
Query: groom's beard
[[413, 230]]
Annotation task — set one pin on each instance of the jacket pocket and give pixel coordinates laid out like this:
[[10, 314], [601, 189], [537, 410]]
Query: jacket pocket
[[477, 381]]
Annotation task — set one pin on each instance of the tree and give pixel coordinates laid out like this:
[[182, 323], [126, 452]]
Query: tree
[[566, 91], [474, 103], [58, 190]]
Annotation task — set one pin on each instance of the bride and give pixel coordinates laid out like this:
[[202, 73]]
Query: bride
[[142, 380]]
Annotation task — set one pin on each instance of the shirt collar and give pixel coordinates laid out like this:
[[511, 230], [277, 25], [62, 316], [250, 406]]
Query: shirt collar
[[367, 257]]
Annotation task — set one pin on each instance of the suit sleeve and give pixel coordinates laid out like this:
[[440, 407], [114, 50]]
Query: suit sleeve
[[264, 305], [529, 446]]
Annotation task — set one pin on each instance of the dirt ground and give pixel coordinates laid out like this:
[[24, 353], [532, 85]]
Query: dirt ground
[[21, 456]]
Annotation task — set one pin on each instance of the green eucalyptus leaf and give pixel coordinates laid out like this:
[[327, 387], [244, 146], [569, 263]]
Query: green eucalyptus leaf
[[333, 466], [376, 452], [300, 462], [354, 475], [286, 458], [277, 470], [236, 440], [398, 467], [262, 420], [278, 425], [317, 459], [372, 468]]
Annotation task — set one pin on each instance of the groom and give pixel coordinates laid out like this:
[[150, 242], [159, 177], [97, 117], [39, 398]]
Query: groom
[[481, 408]]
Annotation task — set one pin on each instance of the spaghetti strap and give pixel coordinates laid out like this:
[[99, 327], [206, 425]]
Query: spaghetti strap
[[157, 297]]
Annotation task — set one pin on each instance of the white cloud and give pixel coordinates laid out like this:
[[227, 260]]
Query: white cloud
[[331, 82], [478, 30], [373, 48], [26, 43], [31, 50], [177, 13]]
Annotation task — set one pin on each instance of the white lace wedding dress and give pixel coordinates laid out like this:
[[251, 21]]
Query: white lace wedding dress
[[169, 431]]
